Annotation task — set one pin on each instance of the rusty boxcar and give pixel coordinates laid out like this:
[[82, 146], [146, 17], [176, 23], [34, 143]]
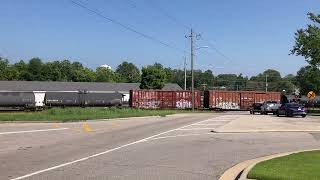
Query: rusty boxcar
[[158, 99], [236, 100]]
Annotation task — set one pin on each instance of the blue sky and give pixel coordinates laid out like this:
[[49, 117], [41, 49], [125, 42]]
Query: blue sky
[[253, 34]]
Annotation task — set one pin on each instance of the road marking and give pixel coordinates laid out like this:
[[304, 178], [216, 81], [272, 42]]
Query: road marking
[[86, 127], [102, 153], [31, 131], [165, 137], [213, 120], [215, 124], [190, 129]]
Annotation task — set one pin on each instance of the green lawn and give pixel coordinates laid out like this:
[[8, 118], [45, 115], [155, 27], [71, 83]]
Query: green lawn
[[76, 114], [299, 166]]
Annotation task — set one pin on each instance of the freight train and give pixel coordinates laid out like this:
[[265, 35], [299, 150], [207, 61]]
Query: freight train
[[213, 99], [39, 100], [144, 99]]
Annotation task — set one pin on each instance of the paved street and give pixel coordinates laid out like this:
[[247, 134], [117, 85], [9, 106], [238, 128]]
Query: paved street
[[174, 147]]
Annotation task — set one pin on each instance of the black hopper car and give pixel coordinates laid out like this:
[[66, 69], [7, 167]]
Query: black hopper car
[[83, 99], [17, 100], [39, 100]]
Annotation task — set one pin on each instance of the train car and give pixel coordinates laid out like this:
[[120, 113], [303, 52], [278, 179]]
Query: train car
[[17, 99], [63, 99], [83, 99], [102, 99], [158, 99], [236, 100]]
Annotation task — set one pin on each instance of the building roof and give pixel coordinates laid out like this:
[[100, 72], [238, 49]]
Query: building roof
[[73, 86]]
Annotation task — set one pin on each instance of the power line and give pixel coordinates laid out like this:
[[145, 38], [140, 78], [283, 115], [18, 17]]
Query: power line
[[217, 50], [173, 19], [164, 13], [95, 12], [177, 22]]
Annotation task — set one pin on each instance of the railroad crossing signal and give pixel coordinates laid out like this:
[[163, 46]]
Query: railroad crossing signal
[[311, 95]]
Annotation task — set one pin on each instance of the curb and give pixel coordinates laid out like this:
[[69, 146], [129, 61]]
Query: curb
[[241, 170], [268, 131]]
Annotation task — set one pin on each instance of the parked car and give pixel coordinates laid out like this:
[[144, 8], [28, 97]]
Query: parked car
[[255, 107], [291, 109], [270, 107]]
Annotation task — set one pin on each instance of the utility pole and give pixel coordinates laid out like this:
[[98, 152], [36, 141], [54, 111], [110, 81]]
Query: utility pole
[[185, 73], [192, 36], [192, 73], [266, 82]]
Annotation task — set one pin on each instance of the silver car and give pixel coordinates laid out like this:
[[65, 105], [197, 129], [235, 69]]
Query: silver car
[[270, 107]]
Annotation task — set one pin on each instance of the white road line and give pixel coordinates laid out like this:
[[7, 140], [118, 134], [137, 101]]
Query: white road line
[[31, 131], [190, 129], [99, 154], [217, 120], [165, 137], [215, 124]]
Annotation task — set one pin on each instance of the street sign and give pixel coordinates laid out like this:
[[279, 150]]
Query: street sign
[[311, 95]]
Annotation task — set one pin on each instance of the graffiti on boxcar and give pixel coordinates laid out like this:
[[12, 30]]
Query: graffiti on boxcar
[[183, 104], [228, 105], [222, 104], [149, 104]]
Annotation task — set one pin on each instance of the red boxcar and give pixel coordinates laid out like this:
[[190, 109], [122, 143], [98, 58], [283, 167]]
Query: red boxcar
[[237, 100], [158, 99]]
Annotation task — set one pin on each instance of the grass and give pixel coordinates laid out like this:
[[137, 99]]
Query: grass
[[77, 113], [298, 166], [314, 112]]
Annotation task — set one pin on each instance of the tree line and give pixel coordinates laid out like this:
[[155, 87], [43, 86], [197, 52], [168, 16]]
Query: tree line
[[155, 76], [36, 70], [151, 77]]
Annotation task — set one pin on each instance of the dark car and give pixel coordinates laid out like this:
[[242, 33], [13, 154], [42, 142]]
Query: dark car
[[291, 109], [255, 107], [270, 107]]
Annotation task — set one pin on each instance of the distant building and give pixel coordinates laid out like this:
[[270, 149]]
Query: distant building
[[106, 66]]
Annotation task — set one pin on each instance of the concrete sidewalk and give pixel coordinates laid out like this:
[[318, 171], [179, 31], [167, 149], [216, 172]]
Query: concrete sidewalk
[[270, 123]]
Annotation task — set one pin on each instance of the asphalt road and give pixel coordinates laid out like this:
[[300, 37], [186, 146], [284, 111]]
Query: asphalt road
[[153, 148]]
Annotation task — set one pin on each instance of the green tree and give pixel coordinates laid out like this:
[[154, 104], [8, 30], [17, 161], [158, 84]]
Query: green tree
[[169, 74], [153, 77], [203, 79], [84, 75], [287, 83], [229, 81], [308, 41], [105, 75], [35, 69], [67, 70], [128, 72], [291, 78], [177, 76], [11, 73], [273, 78], [308, 79], [3, 67], [272, 75], [22, 69], [51, 71]]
